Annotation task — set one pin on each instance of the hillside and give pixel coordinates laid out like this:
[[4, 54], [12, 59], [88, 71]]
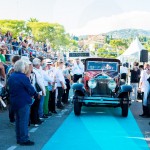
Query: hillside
[[128, 33]]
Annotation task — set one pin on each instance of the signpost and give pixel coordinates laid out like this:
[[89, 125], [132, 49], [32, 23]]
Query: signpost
[[79, 54]]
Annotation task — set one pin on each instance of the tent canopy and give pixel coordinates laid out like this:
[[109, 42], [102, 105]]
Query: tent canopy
[[134, 47], [132, 51]]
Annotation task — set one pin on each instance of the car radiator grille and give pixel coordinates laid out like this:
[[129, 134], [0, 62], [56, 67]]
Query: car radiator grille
[[101, 89]]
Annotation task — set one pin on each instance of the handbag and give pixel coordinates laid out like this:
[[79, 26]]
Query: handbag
[[38, 88]]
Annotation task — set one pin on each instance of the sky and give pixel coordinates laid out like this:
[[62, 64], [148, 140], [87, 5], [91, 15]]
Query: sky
[[80, 17]]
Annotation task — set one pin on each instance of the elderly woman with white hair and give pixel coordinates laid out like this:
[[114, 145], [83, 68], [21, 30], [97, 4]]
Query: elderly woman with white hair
[[21, 93]]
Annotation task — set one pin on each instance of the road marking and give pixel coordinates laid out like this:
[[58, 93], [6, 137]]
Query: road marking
[[12, 148], [33, 130]]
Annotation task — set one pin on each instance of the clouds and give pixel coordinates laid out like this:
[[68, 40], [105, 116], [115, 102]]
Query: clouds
[[135, 19]]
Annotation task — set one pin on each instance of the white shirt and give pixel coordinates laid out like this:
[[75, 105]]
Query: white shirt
[[143, 79], [145, 87], [39, 80], [60, 77], [46, 78], [78, 68], [123, 70], [52, 73]]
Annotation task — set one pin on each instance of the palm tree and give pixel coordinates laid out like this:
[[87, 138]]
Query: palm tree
[[33, 20]]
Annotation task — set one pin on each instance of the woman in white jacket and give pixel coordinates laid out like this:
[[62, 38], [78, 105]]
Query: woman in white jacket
[[37, 77]]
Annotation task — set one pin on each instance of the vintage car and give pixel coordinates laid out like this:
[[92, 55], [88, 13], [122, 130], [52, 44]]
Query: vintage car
[[101, 86]]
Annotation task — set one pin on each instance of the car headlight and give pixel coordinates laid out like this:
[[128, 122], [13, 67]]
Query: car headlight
[[92, 83], [112, 84]]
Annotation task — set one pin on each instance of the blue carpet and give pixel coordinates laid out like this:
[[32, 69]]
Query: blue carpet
[[98, 129]]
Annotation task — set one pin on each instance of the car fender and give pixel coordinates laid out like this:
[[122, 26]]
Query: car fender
[[125, 88], [78, 88]]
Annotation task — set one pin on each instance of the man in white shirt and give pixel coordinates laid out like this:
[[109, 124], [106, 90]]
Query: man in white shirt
[[61, 84], [124, 72], [77, 70], [52, 88]]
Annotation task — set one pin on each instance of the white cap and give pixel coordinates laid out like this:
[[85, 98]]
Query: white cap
[[26, 59], [49, 62]]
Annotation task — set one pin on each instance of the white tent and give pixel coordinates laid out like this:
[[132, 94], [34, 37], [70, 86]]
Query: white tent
[[133, 52]]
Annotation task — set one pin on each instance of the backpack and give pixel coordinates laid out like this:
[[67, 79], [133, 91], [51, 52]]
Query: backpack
[[5, 92]]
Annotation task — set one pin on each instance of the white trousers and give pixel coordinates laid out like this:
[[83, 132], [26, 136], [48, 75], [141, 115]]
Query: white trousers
[[135, 90]]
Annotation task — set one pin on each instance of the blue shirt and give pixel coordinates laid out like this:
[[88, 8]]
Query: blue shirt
[[21, 90], [15, 45]]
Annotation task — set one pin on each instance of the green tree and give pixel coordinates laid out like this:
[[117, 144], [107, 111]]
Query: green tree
[[119, 44], [14, 26], [41, 31], [33, 20]]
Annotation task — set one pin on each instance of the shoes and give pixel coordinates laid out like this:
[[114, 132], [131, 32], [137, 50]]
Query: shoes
[[36, 125], [27, 143], [12, 123], [54, 112], [44, 116], [142, 115], [41, 119], [146, 116], [39, 122], [60, 106], [66, 102], [49, 114]]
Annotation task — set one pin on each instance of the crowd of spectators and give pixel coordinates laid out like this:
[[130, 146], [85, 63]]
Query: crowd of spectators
[[23, 45], [35, 86]]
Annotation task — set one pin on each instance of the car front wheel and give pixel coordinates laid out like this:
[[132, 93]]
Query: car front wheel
[[77, 108], [125, 107]]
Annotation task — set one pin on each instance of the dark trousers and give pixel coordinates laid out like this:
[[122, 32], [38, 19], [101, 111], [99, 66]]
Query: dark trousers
[[34, 115], [59, 97], [145, 108], [51, 104], [124, 76], [65, 96], [76, 77], [22, 121], [11, 114]]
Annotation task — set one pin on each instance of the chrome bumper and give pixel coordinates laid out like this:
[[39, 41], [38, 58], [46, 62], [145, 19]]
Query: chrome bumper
[[102, 100]]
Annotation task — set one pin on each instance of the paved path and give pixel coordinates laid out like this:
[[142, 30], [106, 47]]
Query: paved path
[[98, 129]]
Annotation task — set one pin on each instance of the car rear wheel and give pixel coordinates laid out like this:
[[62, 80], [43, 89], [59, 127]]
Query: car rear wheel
[[125, 106], [77, 108]]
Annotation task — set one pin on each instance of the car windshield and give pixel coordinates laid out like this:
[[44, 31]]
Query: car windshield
[[99, 65]]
